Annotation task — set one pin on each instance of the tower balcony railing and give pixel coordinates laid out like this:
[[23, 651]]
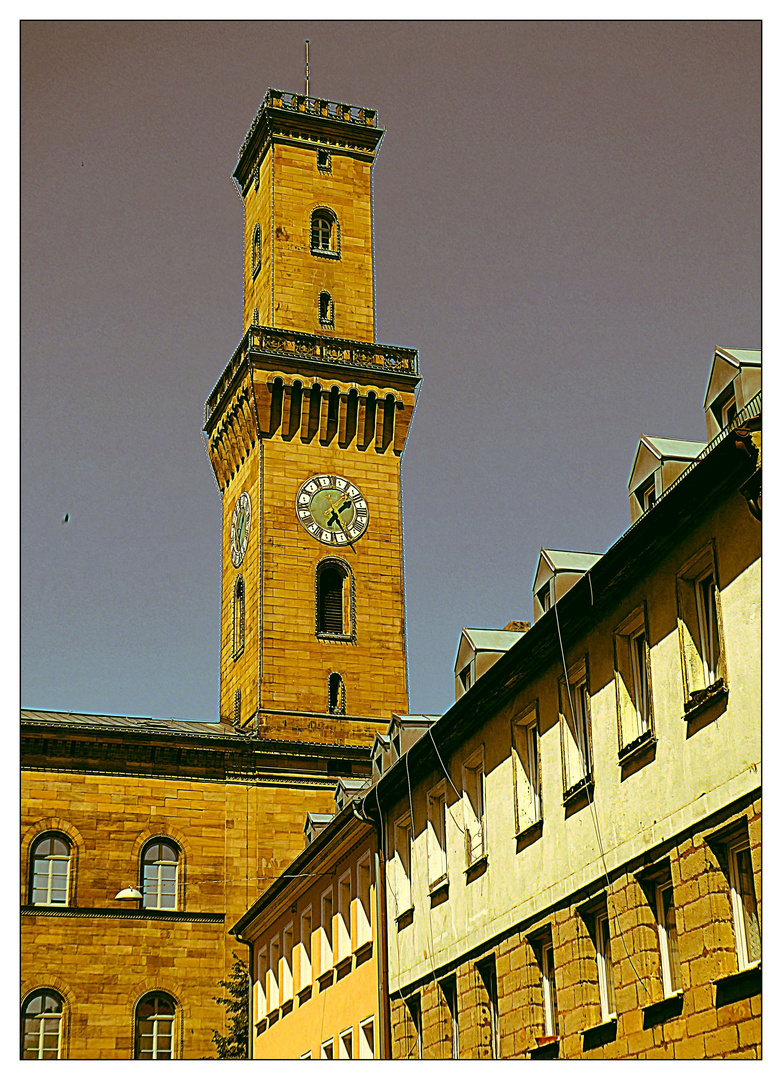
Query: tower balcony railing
[[315, 348]]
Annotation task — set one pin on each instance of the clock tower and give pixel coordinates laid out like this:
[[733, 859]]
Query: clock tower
[[305, 431]]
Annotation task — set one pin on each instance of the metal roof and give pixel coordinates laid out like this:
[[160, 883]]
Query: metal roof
[[491, 640], [672, 448], [741, 357], [143, 724], [569, 560]]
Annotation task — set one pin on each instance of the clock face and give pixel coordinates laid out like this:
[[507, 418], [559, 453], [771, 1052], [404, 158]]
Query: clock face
[[240, 528], [332, 509]]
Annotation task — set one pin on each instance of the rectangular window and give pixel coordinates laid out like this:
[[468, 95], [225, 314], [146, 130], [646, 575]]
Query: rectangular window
[[344, 897], [473, 803], [526, 772], [327, 1050], [402, 888], [549, 986], [362, 906], [346, 1045], [699, 625], [366, 1039], [670, 969], [273, 988], [261, 973], [744, 905], [631, 670], [435, 837], [286, 967], [605, 976], [488, 973], [544, 597], [467, 675], [575, 727], [326, 918], [305, 946], [448, 987], [413, 1004]]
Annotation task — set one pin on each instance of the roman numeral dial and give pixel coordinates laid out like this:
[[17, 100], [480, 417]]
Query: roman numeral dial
[[332, 509]]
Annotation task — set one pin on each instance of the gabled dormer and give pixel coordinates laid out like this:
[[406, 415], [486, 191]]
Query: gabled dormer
[[557, 571], [656, 465], [381, 755], [733, 381], [313, 824], [479, 649], [406, 729], [347, 787]]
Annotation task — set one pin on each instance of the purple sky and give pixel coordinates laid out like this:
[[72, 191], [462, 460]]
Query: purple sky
[[567, 221]]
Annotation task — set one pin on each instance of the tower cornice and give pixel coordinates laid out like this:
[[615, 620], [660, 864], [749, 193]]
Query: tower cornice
[[283, 115]]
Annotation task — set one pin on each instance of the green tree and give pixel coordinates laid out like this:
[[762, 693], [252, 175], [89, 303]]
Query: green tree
[[234, 1044]]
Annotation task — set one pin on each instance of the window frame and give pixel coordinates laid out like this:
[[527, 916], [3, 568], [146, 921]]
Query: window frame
[[156, 1016], [160, 863], [327, 1045], [345, 1042], [525, 755], [474, 808], [605, 975], [548, 982], [304, 965], [41, 1053], [738, 905], [326, 954], [347, 596], [364, 1042], [450, 993], [633, 678], [326, 320], [670, 964], [578, 681], [437, 837], [343, 936], [286, 964], [403, 866], [363, 919], [51, 862], [703, 672], [334, 248]]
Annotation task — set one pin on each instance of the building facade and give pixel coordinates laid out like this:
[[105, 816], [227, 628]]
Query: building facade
[[574, 849], [143, 841]]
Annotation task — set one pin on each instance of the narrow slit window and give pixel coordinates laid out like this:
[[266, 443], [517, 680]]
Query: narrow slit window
[[336, 694], [325, 309]]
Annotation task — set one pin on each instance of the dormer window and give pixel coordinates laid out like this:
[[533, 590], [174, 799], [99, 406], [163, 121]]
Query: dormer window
[[729, 411], [467, 675], [544, 597], [646, 494]]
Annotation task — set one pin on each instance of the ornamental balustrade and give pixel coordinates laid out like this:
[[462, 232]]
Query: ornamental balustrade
[[295, 345]]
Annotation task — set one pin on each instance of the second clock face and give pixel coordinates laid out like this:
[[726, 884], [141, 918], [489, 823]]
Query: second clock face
[[332, 509], [240, 528]]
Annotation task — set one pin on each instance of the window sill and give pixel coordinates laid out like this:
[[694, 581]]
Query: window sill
[[529, 834], [438, 893], [701, 699], [477, 868], [326, 324], [363, 953], [582, 790], [344, 639], [600, 1034], [738, 985], [637, 746], [260, 1026], [547, 1048], [326, 979], [304, 994], [323, 253], [286, 1007], [343, 967], [438, 885], [665, 1009], [404, 918]]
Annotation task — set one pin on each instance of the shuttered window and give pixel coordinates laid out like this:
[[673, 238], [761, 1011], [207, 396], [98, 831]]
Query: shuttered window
[[331, 582]]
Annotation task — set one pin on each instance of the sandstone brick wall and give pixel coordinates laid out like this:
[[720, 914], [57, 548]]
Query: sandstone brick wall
[[717, 1015]]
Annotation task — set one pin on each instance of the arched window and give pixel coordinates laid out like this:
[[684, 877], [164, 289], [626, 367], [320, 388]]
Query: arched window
[[256, 252], [238, 618], [325, 309], [324, 233], [50, 869], [155, 1015], [160, 866], [237, 707], [42, 1025], [336, 694], [332, 598]]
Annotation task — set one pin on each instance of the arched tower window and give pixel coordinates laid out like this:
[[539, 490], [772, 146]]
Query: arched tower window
[[42, 1025], [324, 233], [332, 589], [155, 1015], [336, 694], [237, 707], [50, 865], [160, 874], [238, 618], [256, 249], [325, 309]]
